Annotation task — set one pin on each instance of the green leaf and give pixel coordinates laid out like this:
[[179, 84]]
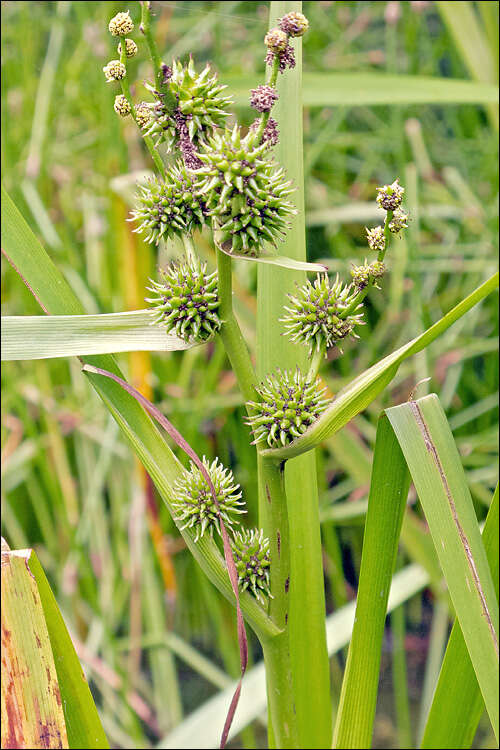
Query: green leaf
[[457, 695], [432, 457], [389, 486], [279, 260], [366, 387], [369, 89], [39, 337]]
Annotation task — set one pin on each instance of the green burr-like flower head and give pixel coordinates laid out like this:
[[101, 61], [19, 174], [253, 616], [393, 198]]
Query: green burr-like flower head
[[314, 315], [252, 558], [244, 191], [194, 504], [200, 107], [169, 207], [288, 404], [186, 301]]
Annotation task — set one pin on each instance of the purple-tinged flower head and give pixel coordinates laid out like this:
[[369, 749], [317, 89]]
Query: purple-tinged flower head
[[286, 58], [276, 40], [263, 98], [367, 274], [270, 134], [376, 238], [399, 221], [294, 24], [390, 196]]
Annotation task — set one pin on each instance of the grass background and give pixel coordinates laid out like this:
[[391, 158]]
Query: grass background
[[70, 487]]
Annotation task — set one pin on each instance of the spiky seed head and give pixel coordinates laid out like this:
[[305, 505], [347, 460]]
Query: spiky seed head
[[263, 98], [143, 114], [201, 107], [121, 24], [252, 558], [194, 504], [389, 197], [399, 221], [169, 207], [276, 40], [130, 48], [313, 317], [244, 191], [294, 24], [121, 106], [114, 71], [270, 134], [288, 404], [367, 274], [187, 301], [376, 239]]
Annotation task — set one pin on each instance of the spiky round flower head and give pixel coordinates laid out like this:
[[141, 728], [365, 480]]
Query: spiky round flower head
[[114, 71], [294, 24], [121, 24], [313, 317], [186, 301], [143, 114], [376, 239], [270, 134], [263, 98], [169, 207], [390, 196], [399, 221], [130, 48], [276, 40], [252, 558], [288, 404], [200, 108], [121, 106], [194, 503], [244, 191], [367, 274]]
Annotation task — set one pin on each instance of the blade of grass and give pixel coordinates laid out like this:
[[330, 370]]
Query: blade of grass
[[457, 694], [430, 451]]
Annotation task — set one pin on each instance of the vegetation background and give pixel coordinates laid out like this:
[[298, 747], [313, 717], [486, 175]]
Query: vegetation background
[[155, 638]]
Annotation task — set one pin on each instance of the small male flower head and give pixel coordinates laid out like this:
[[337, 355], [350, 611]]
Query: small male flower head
[[399, 221], [114, 71], [270, 134], [130, 48], [263, 98], [294, 24], [376, 239], [276, 40], [367, 274], [121, 106], [286, 58], [143, 114], [121, 24], [390, 196]]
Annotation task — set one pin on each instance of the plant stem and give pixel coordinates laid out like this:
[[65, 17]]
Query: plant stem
[[168, 98], [271, 81], [230, 332], [187, 241], [317, 359]]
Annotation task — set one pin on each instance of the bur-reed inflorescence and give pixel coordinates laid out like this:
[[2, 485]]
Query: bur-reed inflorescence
[[114, 71], [194, 505], [389, 197], [252, 557], [186, 300], [369, 273], [289, 403], [122, 106], [121, 24], [130, 48]]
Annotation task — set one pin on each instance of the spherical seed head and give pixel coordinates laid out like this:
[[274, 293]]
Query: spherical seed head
[[201, 107], [252, 558], [187, 301], [270, 134], [313, 317], [399, 221], [376, 239], [169, 207], [294, 24], [143, 114], [245, 193], [288, 404], [121, 24], [114, 71], [390, 196], [276, 40], [263, 98], [121, 106], [194, 506], [130, 48]]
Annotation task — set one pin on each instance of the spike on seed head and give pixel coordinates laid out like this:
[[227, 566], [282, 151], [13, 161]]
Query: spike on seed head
[[121, 24], [194, 504], [252, 558]]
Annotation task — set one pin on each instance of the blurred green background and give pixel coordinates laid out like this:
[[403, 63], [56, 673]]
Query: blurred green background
[[71, 488]]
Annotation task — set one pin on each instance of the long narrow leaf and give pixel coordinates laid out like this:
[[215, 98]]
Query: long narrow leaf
[[432, 457], [39, 337]]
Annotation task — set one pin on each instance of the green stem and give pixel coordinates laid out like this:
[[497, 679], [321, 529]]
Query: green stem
[[187, 241], [271, 81], [168, 98], [274, 521], [316, 361], [230, 332]]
